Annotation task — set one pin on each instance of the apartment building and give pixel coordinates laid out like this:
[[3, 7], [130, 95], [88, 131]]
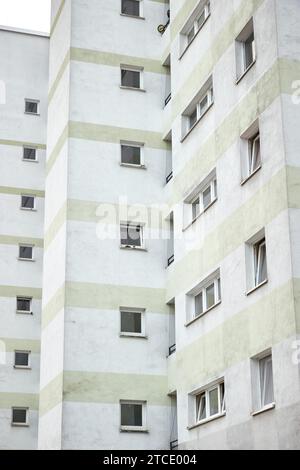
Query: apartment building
[[150, 222]]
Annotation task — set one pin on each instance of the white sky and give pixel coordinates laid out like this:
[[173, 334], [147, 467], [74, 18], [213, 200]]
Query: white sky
[[26, 14]]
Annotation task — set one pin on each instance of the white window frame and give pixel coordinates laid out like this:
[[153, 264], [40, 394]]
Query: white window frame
[[205, 93], [212, 185], [241, 64], [251, 156], [140, 311], [253, 256], [248, 142], [25, 312], [27, 147], [132, 68], [192, 26], [141, 12], [200, 113], [16, 366], [142, 428], [213, 280], [142, 156], [204, 392], [142, 235], [28, 208], [13, 423], [257, 254], [27, 246], [203, 291], [258, 403], [37, 102]]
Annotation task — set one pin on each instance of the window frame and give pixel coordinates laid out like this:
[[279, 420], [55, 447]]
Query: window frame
[[142, 313], [251, 154], [191, 297], [17, 366], [199, 114], [142, 235], [195, 400], [25, 312], [37, 102], [193, 27], [133, 145], [136, 69], [16, 423], [23, 208], [25, 245], [126, 428], [258, 268], [27, 147], [258, 404], [195, 108], [130, 15], [241, 41], [217, 297]]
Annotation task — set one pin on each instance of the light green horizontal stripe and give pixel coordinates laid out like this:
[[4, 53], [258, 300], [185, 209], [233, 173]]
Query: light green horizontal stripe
[[111, 388], [17, 143], [12, 240], [51, 395], [28, 400], [268, 322], [56, 225], [234, 231], [103, 297], [15, 344], [59, 76], [57, 16], [14, 291], [20, 191], [278, 79]]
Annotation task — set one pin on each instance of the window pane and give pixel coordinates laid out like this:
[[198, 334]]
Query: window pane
[[131, 414], [19, 416], [130, 78], [199, 304], [260, 262], [31, 107], [131, 7], [29, 154], [266, 381], [255, 154], [201, 19], [27, 202], [21, 359], [131, 322], [190, 35], [214, 402], [249, 51], [131, 235], [131, 155], [210, 296], [193, 118], [25, 252], [195, 208], [203, 105], [23, 305], [207, 197], [201, 407]]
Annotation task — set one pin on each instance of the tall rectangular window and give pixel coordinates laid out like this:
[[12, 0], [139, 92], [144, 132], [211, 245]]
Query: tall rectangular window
[[251, 160], [256, 262], [254, 154], [131, 235], [245, 49], [131, 7], [133, 415]]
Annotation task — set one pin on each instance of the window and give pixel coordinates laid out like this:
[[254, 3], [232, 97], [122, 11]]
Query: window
[[131, 7], [256, 261], [250, 152], [22, 359], [262, 381], [131, 154], [31, 107], [26, 252], [20, 416], [132, 322], [210, 402], [254, 154], [28, 202], [24, 304], [200, 199], [194, 25], [198, 107], [204, 297], [133, 415], [30, 154], [131, 77], [131, 235], [245, 49]]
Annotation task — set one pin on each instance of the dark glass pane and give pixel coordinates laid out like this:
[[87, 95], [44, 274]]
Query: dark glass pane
[[31, 107], [27, 202], [29, 154], [25, 252], [131, 78], [19, 416], [23, 305], [131, 155], [131, 322], [21, 359], [131, 415], [131, 7]]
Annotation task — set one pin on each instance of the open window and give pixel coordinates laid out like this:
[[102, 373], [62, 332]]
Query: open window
[[208, 403], [256, 261], [262, 382], [197, 108], [245, 50], [251, 160], [28, 202]]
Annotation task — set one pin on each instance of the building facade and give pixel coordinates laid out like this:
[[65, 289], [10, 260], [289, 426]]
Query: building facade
[[150, 227]]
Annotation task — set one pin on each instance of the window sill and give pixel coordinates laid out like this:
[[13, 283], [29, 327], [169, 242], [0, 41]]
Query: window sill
[[264, 410], [238, 80], [23, 312], [190, 43], [30, 161], [202, 314], [20, 425], [133, 248], [132, 88], [206, 421], [132, 165], [257, 287], [32, 114], [26, 259], [133, 429], [26, 209], [196, 123], [251, 176], [22, 368], [198, 216], [133, 335], [133, 16]]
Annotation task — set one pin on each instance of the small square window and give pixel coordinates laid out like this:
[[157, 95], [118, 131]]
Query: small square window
[[132, 415], [22, 359], [30, 154], [31, 107], [26, 252], [24, 304], [132, 322], [28, 202], [131, 78], [131, 154], [131, 235], [20, 416], [131, 7]]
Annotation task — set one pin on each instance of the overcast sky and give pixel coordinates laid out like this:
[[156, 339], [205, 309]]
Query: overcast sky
[[26, 14]]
